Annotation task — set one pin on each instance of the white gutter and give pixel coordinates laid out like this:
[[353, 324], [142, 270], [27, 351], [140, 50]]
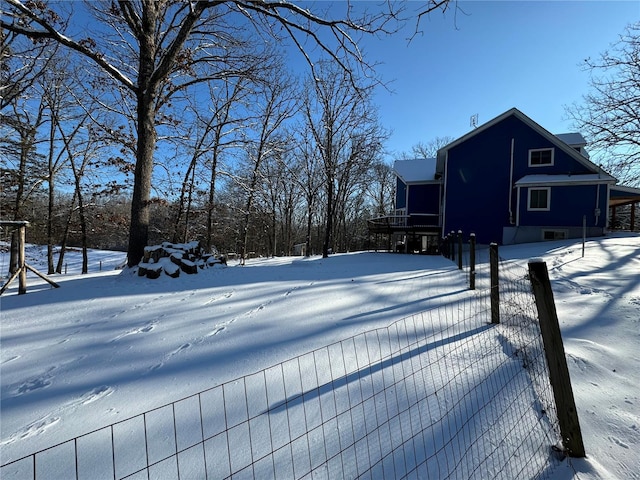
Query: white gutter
[[518, 207], [511, 183], [606, 220], [597, 210], [444, 198]]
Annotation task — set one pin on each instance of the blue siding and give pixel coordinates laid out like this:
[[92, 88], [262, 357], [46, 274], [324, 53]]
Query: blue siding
[[568, 205], [424, 198], [478, 185], [401, 194]]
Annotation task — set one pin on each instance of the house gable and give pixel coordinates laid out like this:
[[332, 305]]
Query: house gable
[[481, 170]]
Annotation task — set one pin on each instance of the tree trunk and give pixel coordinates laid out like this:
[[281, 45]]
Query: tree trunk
[[146, 144], [307, 252], [210, 207], [328, 230]]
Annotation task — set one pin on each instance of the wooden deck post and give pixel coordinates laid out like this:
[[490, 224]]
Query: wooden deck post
[[495, 288], [554, 352]]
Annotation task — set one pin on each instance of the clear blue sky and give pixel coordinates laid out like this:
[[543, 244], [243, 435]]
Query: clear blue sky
[[494, 56]]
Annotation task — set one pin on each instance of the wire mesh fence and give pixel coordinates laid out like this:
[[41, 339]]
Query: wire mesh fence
[[443, 394]]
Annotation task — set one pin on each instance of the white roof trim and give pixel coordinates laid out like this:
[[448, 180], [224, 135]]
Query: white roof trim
[[558, 180]]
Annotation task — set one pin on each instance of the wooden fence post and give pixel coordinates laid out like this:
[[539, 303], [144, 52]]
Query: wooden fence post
[[472, 261], [459, 249], [554, 352], [22, 278], [452, 246], [495, 288]]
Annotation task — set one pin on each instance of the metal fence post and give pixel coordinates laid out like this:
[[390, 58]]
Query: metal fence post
[[472, 261], [495, 289], [554, 351]]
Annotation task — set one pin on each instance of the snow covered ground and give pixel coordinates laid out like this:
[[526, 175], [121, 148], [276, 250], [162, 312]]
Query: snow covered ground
[[109, 345]]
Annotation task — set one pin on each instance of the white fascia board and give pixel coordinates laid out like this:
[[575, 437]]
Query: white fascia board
[[560, 180]]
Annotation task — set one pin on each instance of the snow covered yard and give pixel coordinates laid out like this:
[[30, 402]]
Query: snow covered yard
[[109, 345]]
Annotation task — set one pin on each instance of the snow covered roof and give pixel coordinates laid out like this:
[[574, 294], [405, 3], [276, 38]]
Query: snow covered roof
[[538, 180], [573, 139], [417, 170]]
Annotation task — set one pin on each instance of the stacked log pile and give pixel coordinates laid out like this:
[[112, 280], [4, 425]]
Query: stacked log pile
[[173, 258]]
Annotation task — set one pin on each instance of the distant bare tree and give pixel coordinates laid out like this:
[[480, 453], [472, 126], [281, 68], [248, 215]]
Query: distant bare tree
[[274, 104], [427, 149], [23, 169], [610, 113], [345, 132], [380, 188]]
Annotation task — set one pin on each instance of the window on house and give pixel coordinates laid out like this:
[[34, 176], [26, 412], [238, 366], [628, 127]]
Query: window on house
[[539, 198], [540, 157], [554, 234]]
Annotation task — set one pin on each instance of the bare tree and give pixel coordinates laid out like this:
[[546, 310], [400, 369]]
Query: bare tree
[[24, 172], [345, 132], [380, 188], [275, 104], [610, 113], [22, 62], [176, 44], [427, 149]]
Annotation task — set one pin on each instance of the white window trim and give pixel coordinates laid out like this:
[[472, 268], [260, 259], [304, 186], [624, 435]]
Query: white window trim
[[533, 209], [553, 150]]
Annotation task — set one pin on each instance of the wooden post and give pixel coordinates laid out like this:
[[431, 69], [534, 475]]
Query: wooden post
[[459, 249], [632, 223], [554, 352], [472, 261], [613, 217], [452, 246], [22, 276], [21, 271], [495, 288]]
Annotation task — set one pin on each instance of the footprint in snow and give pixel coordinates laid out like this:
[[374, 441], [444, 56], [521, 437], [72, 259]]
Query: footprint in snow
[[221, 297], [36, 428], [289, 292], [168, 356], [143, 329], [35, 383], [216, 331], [180, 349], [10, 359], [96, 394], [618, 442]]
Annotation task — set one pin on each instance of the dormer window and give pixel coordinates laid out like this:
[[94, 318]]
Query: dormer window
[[540, 157]]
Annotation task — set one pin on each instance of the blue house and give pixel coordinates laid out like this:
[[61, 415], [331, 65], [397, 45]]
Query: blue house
[[508, 181]]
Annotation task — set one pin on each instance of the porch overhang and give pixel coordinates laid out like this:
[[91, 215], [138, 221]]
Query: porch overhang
[[620, 195]]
